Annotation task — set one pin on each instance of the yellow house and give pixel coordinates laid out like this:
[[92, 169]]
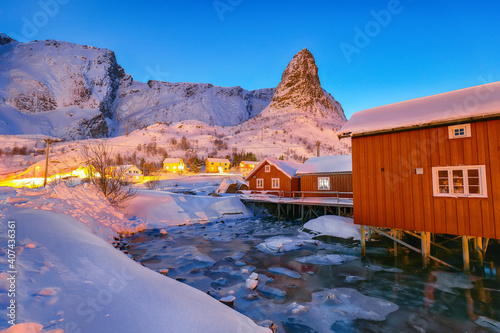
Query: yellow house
[[247, 166], [129, 173], [217, 165], [175, 165]]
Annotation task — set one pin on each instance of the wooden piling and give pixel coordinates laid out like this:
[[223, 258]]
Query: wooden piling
[[465, 253], [363, 241]]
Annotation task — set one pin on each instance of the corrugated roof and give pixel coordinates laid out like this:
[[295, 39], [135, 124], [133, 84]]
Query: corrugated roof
[[288, 168]]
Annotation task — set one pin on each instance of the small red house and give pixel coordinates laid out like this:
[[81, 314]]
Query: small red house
[[276, 176], [430, 164], [323, 176]]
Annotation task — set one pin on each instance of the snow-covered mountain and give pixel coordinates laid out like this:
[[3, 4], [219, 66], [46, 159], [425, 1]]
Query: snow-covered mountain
[[77, 91]]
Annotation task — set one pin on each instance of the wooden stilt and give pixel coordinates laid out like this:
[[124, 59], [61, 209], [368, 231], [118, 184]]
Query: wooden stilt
[[425, 240], [363, 241], [395, 234], [465, 251], [302, 212], [478, 249], [279, 211]]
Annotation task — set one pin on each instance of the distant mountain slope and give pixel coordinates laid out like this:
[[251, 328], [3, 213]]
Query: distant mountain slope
[[77, 91]]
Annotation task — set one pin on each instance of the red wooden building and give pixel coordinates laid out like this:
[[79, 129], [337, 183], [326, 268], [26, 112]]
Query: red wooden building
[[431, 164], [325, 175], [275, 176]]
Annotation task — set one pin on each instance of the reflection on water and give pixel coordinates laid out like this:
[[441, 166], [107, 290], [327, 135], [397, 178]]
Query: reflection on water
[[310, 285]]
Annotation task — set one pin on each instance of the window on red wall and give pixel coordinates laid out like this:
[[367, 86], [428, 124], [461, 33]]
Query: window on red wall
[[275, 183], [260, 183]]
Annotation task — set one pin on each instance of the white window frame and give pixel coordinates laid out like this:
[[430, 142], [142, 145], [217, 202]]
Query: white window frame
[[323, 188], [452, 131], [261, 181], [275, 183], [465, 171], [267, 168]]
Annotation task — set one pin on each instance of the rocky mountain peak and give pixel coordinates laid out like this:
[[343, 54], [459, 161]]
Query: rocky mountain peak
[[4, 39], [300, 87]]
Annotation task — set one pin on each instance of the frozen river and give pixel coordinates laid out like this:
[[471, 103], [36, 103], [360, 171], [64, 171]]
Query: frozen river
[[277, 273]]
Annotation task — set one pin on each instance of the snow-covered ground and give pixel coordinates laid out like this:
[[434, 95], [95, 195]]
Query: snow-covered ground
[[70, 277]]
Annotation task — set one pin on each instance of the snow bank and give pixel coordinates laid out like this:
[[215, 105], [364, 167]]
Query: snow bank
[[326, 164], [95, 288], [162, 208], [84, 203], [333, 225]]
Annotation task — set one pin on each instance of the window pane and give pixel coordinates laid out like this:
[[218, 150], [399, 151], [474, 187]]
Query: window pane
[[443, 173], [473, 181], [458, 173], [473, 189], [473, 173]]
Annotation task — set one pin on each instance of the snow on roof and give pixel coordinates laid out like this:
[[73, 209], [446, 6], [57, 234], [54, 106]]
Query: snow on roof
[[326, 164], [250, 162], [172, 160], [218, 160], [478, 101], [288, 168]]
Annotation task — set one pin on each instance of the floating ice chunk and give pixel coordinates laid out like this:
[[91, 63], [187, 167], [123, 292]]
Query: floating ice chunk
[[329, 259], [488, 323], [279, 244], [353, 278], [203, 258], [271, 291], [380, 268], [296, 308], [235, 256], [349, 304], [374, 268], [163, 231], [333, 225], [445, 281], [284, 271], [251, 284], [240, 263], [254, 276]]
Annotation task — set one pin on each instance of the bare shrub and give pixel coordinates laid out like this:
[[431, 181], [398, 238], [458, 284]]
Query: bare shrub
[[107, 178]]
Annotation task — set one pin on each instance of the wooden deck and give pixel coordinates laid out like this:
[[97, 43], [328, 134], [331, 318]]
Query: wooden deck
[[301, 204]]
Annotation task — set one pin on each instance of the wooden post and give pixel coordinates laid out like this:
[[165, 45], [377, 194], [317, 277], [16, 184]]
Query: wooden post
[[395, 234], [478, 249], [302, 212], [425, 240], [465, 253], [317, 148], [46, 162], [126, 133], [363, 240], [279, 211]]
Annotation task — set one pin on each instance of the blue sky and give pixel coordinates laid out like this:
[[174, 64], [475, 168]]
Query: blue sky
[[369, 53]]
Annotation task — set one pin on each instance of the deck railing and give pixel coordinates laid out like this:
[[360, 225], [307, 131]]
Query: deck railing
[[300, 195]]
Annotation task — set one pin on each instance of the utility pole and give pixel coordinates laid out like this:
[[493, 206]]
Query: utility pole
[[262, 134], [48, 141], [126, 134], [317, 148]]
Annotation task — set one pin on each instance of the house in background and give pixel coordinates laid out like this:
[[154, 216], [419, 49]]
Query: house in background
[[175, 165], [128, 173], [217, 165], [430, 164], [326, 174], [276, 176], [247, 166]]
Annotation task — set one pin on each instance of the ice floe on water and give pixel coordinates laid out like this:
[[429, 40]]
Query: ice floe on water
[[282, 244], [284, 271], [335, 226], [445, 281], [340, 304], [326, 259], [377, 268]]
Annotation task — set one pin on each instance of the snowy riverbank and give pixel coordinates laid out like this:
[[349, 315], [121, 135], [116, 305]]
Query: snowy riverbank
[[70, 277]]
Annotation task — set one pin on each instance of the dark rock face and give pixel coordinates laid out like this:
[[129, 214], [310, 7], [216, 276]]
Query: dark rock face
[[300, 86], [4, 39]]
